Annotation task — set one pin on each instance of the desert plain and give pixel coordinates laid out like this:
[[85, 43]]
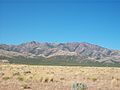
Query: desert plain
[[36, 77]]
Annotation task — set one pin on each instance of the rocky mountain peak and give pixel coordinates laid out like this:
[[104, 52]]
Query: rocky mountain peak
[[80, 50]]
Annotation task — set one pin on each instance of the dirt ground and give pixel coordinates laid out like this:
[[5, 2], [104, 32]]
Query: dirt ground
[[28, 77]]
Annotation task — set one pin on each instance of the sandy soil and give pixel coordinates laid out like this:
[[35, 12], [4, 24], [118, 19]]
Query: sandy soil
[[20, 77]]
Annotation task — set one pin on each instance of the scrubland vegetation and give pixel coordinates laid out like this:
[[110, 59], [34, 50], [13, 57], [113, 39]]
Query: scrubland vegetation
[[30, 77]]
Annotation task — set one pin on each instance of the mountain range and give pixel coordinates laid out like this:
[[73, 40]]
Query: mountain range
[[75, 51]]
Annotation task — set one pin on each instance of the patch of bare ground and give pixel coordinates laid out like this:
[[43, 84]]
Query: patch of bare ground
[[28, 77]]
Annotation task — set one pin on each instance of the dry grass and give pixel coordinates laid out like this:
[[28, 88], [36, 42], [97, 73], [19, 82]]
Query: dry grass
[[19, 77]]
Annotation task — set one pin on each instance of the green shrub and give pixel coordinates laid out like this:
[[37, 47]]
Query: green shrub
[[16, 74], [79, 86], [94, 79], [20, 78], [27, 72], [6, 78], [25, 86], [62, 78]]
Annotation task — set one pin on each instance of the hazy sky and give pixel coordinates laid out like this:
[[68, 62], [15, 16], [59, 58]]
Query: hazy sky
[[93, 21]]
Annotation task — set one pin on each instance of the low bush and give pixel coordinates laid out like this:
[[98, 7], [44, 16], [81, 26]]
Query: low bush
[[6, 78], [79, 86]]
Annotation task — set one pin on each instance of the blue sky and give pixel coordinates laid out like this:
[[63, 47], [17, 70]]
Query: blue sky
[[93, 21]]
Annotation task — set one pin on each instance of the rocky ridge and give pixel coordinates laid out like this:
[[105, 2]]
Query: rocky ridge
[[80, 50]]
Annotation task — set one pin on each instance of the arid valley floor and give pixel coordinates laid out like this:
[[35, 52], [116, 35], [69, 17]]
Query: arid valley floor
[[29, 77]]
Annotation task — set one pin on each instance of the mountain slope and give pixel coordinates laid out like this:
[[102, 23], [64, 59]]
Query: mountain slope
[[82, 51]]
